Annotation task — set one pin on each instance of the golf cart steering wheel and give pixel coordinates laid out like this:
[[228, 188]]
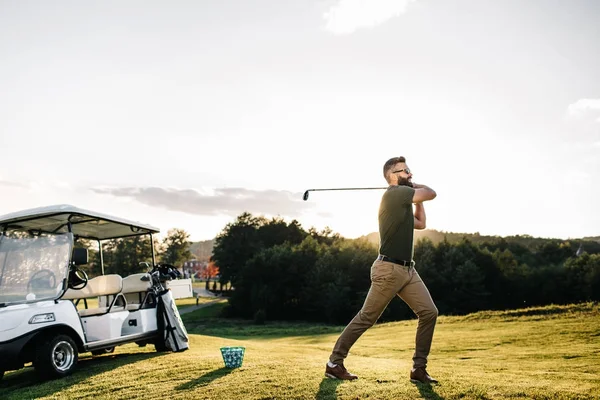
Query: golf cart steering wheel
[[78, 279], [42, 279]]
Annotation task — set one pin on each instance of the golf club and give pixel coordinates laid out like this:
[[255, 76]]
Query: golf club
[[305, 197]]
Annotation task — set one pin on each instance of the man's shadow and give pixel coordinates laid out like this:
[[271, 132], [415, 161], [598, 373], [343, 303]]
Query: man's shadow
[[427, 391], [205, 379], [327, 389]]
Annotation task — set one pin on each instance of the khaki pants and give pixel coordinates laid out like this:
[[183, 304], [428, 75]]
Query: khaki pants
[[388, 280]]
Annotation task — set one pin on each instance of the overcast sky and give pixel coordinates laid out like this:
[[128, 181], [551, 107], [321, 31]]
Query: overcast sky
[[184, 114]]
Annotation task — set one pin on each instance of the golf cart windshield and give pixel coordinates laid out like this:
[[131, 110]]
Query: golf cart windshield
[[33, 268]]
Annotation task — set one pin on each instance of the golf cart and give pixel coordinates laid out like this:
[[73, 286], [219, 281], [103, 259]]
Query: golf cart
[[44, 294]]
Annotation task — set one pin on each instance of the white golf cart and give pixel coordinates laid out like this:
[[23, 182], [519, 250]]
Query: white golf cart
[[44, 313]]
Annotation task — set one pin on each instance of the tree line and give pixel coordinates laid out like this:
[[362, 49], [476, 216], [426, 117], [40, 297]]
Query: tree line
[[123, 256], [280, 271]]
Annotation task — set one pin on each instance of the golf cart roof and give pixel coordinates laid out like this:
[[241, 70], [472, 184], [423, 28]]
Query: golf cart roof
[[84, 224]]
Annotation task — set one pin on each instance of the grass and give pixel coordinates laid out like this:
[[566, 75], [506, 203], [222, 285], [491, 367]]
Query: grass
[[197, 284], [537, 353], [191, 301]]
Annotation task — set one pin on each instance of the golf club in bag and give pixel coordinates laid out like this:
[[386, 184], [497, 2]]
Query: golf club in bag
[[174, 335], [305, 196]]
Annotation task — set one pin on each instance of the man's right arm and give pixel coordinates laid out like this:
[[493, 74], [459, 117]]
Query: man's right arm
[[423, 193]]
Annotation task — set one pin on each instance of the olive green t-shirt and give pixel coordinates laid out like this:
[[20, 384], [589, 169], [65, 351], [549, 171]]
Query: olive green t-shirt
[[396, 223]]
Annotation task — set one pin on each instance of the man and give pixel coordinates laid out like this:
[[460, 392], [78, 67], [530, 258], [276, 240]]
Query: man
[[393, 272]]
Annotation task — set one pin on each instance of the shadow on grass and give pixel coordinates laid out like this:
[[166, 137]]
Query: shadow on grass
[[427, 392], [205, 379], [25, 383], [327, 389]]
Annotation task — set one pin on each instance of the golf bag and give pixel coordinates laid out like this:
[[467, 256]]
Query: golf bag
[[173, 335], [169, 322]]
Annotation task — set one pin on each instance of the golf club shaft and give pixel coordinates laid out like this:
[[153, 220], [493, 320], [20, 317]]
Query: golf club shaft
[[364, 188], [305, 197]]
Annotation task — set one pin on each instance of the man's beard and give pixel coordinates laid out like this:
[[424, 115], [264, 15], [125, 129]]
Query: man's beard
[[404, 182]]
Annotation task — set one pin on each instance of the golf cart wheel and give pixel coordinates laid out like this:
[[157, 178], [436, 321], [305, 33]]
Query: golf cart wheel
[[108, 350], [1, 374], [56, 357]]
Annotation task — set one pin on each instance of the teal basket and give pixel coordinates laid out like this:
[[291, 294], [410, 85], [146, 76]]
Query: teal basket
[[233, 356]]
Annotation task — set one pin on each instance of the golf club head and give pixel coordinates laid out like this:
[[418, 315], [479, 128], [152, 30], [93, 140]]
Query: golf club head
[[305, 197]]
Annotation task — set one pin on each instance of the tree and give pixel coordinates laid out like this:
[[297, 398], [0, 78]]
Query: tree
[[123, 256], [235, 245], [583, 277], [243, 239], [312, 280], [176, 247], [554, 252], [211, 271]]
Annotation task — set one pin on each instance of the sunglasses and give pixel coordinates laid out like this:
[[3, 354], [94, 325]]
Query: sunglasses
[[407, 170]]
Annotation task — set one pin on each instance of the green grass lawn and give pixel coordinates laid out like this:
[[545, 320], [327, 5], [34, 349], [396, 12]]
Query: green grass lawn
[[191, 301], [539, 353]]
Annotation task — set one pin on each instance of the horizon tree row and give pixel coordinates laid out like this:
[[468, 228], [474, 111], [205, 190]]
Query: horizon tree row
[[280, 271]]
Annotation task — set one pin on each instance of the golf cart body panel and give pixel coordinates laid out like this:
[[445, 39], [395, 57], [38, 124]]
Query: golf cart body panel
[[20, 319], [39, 318], [25, 324], [21, 350]]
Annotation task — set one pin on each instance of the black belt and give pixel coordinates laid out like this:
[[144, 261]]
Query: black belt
[[399, 262]]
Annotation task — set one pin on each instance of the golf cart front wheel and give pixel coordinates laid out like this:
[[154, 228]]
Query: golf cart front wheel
[[56, 357]]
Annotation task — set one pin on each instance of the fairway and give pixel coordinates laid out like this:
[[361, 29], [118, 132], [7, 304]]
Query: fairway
[[539, 353]]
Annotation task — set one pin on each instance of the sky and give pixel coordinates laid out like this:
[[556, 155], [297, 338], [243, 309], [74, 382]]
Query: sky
[[184, 114]]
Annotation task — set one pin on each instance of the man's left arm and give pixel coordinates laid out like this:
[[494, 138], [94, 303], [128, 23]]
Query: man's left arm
[[420, 217], [423, 193]]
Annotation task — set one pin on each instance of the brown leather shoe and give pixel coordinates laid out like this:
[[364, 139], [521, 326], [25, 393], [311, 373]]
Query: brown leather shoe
[[420, 375], [339, 372]]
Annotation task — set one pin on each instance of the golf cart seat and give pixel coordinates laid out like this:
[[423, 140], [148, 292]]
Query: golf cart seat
[[137, 292], [106, 288]]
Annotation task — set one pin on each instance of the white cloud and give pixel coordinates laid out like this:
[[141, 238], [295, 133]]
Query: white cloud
[[12, 184], [224, 201], [583, 107], [349, 15], [584, 117]]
